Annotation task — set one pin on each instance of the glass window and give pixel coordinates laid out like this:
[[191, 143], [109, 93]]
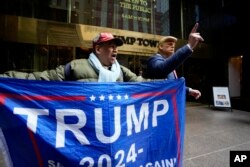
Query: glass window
[[148, 16], [29, 57]]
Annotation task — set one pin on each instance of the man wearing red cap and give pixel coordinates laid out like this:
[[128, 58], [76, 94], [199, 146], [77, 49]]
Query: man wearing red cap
[[101, 66], [163, 64]]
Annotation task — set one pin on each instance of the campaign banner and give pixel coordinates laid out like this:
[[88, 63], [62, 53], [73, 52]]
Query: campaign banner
[[90, 124]]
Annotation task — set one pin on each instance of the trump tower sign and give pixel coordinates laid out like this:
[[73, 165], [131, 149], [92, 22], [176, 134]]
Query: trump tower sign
[[66, 124]]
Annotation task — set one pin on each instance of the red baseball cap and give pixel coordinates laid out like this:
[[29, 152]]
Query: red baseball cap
[[105, 37]]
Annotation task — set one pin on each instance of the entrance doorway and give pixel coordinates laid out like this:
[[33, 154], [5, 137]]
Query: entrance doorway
[[235, 75]]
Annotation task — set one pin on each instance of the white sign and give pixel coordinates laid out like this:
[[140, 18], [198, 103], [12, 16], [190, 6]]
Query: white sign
[[221, 97]]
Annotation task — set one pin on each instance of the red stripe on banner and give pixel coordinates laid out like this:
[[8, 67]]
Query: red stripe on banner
[[41, 98], [177, 129], [2, 99], [150, 94], [38, 155]]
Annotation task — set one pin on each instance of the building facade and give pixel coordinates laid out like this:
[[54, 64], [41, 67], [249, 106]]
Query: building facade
[[39, 35]]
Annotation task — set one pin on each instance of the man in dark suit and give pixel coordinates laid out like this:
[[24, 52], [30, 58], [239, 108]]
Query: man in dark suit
[[166, 60]]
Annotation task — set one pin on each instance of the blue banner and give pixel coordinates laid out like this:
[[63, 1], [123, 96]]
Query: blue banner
[[70, 124]]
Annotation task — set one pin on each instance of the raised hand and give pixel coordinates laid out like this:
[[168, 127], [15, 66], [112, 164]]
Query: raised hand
[[194, 37]]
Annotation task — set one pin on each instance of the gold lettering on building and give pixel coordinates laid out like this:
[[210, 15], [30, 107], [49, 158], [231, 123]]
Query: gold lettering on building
[[139, 6], [132, 17]]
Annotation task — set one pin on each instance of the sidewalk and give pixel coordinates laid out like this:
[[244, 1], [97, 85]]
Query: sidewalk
[[210, 135]]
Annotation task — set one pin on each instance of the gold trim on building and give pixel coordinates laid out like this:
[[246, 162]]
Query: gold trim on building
[[44, 32]]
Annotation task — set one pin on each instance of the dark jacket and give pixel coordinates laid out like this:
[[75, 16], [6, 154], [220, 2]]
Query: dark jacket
[[159, 67], [76, 70]]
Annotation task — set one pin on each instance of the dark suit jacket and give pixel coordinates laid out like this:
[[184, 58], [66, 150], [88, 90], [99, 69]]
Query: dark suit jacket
[[159, 67]]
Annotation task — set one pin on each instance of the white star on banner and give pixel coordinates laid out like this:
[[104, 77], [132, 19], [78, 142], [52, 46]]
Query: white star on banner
[[126, 97], [92, 98], [102, 98], [111, 97], [118, 97]]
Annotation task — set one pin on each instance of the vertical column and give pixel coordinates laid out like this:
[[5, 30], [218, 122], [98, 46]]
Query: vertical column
[[69, 11]]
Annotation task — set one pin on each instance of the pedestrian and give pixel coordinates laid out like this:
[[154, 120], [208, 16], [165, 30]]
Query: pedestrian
[[101, 66], [162, 65]]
